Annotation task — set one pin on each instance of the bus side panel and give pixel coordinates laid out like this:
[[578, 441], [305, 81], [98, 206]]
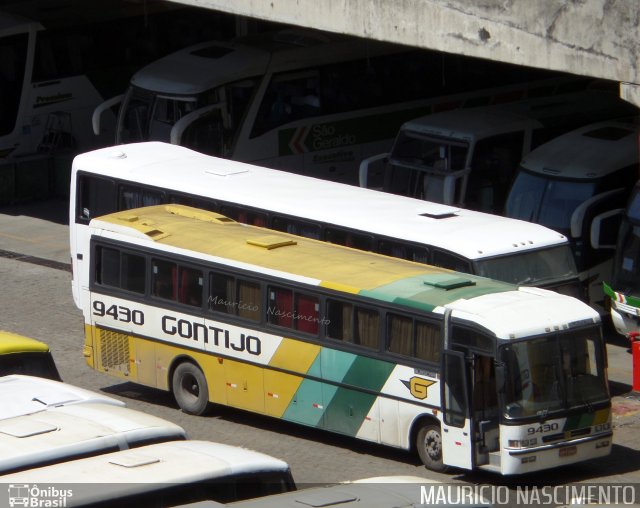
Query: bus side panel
[[244, 385], [280, 388]]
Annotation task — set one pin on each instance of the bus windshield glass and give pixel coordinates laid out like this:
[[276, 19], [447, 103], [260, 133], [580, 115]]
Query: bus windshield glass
[[532, 268], [148, 115], [546, 200], [554, 373], [627, 271], [415, 150]]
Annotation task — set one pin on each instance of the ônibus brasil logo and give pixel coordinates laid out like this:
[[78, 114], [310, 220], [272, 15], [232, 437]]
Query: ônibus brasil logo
[[40, 497]]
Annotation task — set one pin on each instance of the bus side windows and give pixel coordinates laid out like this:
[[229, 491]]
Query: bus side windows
[[133, 196], [120, 269], [352, 323], [296, 227], [300, 311], [414, 338], [107, 266], [348, 239], [177, 283], [164, 279], [190, 287], [450, 261], [96, 197], [403, 251], [229, 295]]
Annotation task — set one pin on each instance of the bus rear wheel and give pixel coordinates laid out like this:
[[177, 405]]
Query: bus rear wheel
[[190, 389], [429, 445]]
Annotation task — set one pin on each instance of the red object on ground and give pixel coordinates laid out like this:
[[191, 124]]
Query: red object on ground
[[635, 358]]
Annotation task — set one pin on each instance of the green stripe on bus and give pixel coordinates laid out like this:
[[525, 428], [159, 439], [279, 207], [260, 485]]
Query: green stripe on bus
[[347, 411]]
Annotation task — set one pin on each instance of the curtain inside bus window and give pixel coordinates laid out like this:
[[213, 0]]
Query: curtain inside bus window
[[13, 56], [428, 341], [307, 313], [249, 300], [221, 297], [366, 328], [280, 311], [164, 279], [190, 290], [400, 334], [137, 197], [340, 316]]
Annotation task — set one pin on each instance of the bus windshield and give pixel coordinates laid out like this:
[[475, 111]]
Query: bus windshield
[[627, 271], [147, 115], [413, 149], [554, 373], [532, 268], [547, 200]]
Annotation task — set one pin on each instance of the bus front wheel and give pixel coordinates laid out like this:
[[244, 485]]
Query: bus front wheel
[[190, 389], [429, 445]]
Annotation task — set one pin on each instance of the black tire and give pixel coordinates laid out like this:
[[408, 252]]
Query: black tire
[[190, 389], [429, 446]]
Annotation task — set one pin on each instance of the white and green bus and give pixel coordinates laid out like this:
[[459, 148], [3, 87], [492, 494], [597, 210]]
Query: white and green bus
[[624, 287], [306, 101], [467, 371], [130, 176]]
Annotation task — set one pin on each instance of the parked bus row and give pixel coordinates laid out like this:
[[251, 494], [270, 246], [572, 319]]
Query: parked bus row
[[513, 160], [307, 101], [139, 174], [467, 371]]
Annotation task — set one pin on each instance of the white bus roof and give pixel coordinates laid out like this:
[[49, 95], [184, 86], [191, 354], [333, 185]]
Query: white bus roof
[[210, 64], [60, 433], [22, 395], [588, 153], [171, 462], [472, 234], [471, 124]]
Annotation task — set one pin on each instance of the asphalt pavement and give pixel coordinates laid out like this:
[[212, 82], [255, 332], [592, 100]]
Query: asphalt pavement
[[37, 233]]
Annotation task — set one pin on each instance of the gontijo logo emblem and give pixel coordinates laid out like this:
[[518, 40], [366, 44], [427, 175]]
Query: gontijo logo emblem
[[32, 495], [418, 386]]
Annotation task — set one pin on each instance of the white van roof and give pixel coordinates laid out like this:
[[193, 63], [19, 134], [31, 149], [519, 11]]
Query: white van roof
[[22, 395], [64, 432]]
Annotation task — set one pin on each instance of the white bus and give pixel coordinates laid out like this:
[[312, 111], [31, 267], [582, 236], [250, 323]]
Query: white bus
[[22, 395], [624, 286], [140, 174], [306, 101], [69, 432], [158, 475], [53, 73], [378, 492], [468, 157], [466, 371], [572, 183]]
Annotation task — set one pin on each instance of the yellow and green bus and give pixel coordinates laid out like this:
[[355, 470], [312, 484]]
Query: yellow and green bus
[[24, 355], [467, 371]]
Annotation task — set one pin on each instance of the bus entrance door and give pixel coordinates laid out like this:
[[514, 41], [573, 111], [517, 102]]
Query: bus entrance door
[[457, 429]]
